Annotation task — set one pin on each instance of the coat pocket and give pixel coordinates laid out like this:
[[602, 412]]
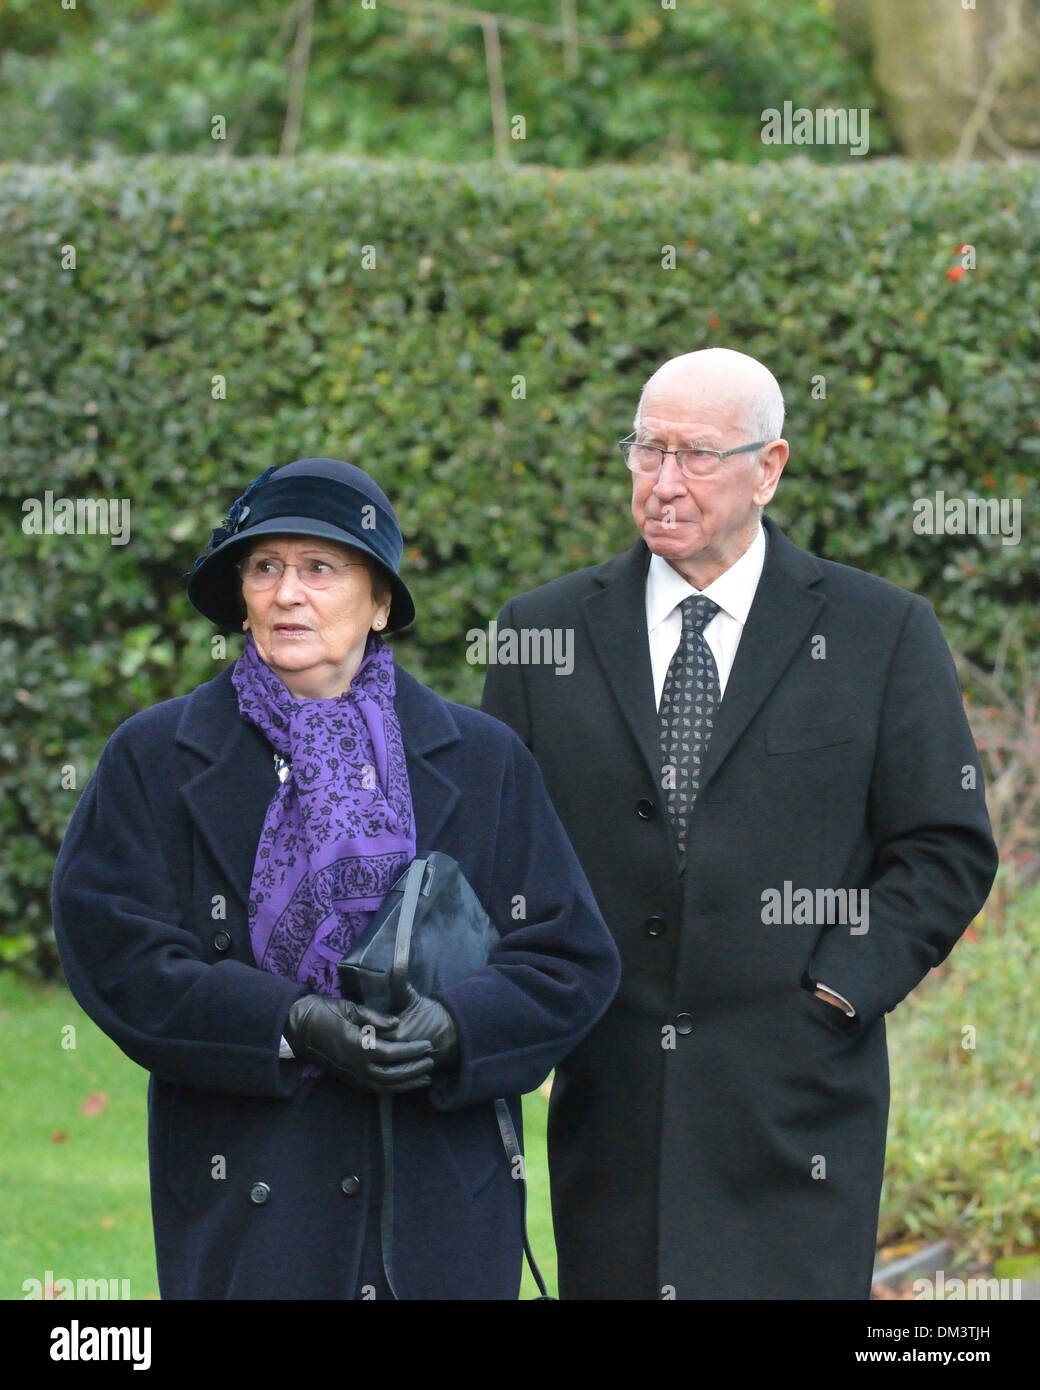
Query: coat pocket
[[801, 735], [828, 1015], [475, 1144], [211, 1140], [190, 1159]]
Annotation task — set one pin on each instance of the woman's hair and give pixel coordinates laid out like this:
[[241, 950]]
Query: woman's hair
[[381, 590]]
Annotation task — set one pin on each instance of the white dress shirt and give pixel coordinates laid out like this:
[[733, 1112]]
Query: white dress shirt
[[734, 592]]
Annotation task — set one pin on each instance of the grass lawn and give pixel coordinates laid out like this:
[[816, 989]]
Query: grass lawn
[[74, 1162], [963, 1162]]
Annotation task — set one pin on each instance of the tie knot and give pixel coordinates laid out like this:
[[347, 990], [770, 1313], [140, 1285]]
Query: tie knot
[[697, 612]]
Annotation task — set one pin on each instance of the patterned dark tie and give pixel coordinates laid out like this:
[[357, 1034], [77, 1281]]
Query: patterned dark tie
[[688, 703]]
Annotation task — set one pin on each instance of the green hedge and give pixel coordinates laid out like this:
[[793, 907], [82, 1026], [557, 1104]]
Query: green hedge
[[255, 271]]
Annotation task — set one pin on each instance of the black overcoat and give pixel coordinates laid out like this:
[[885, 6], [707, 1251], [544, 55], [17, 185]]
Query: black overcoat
[[721, 1132], [263, 1182]]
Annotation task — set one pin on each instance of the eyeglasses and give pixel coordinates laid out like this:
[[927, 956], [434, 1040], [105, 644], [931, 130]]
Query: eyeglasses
[[693, 463], [261, 572]]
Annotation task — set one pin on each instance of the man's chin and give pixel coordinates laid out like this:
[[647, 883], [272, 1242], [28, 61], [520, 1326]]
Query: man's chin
[[669, 542]]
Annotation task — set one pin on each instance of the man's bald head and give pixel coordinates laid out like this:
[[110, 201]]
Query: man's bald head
[[713, 401], [721, 376]]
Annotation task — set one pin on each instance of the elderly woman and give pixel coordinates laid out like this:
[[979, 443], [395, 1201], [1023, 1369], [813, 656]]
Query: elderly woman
[[229, 850]]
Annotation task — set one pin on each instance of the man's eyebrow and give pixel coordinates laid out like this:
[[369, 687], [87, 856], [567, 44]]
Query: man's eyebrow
[[695, 441]]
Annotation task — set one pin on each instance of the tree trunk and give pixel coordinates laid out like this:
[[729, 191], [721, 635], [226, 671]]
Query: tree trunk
[[958, 82]]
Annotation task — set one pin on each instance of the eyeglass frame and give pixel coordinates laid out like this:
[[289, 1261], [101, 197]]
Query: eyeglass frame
[[337, 566], [627, 444]]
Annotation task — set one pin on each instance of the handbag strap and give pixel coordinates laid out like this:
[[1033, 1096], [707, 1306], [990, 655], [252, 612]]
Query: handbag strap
[[398, 980], [403, 939], [512, 1147], [386, 1215]]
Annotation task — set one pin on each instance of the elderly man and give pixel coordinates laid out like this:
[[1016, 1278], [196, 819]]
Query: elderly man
[[762, 760]]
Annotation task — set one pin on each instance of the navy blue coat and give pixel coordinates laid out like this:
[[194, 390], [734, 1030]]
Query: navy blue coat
[[150, 900]]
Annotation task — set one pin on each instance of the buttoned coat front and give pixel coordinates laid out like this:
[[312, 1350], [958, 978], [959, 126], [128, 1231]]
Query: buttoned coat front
[[264, 1182], [721, 1132]]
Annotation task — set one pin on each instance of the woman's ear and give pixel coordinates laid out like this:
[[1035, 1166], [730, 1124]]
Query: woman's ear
[[245, 624]]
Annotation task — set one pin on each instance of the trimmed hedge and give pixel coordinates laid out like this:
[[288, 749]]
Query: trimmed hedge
[[482, 368]]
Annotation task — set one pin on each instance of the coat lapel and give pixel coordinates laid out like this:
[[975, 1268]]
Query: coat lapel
[[783, 612], [228, 798], [426, 726], [616, 620]]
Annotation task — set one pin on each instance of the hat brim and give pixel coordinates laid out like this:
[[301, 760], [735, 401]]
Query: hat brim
[[214, 587]]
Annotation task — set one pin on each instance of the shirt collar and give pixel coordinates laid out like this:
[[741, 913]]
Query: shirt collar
[[733, 591]]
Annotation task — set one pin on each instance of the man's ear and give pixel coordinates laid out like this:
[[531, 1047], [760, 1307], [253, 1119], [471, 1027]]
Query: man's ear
[[772, 465]]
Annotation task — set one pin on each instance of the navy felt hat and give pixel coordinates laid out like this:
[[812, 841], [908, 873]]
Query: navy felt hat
[[311, 497]]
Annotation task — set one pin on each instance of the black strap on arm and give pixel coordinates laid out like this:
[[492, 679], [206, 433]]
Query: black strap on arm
[[403, 939], [386, 1214], [518, 1168], [510, 1143]]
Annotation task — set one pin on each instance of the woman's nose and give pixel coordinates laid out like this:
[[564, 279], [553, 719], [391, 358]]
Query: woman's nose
[[290, 586]]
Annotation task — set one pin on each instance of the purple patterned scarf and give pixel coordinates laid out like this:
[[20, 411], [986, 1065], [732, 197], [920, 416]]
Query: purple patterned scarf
[[340, 829]]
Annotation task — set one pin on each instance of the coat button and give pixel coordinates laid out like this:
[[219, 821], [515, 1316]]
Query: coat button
[[222, 941], [684, 1023], [645, 810], [259, 1193], [352, 1185], [654, 926]]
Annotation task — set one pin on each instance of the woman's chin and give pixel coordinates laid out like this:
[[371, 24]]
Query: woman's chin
[[294, 652]]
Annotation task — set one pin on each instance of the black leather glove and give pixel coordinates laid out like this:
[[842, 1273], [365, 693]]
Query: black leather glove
[[345, 1038], [425, 1018]]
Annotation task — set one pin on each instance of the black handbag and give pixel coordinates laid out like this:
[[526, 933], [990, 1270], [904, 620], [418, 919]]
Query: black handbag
[[430, 932]]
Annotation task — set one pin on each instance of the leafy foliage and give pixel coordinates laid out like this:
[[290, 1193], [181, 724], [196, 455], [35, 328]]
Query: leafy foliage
[[684, 85], [482, 369]]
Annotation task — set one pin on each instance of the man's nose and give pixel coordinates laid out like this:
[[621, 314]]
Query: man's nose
[[669, 481]]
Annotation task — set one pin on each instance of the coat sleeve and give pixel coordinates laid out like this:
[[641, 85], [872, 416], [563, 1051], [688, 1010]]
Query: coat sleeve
[[935, 854], [137, 969], [556, 968]]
